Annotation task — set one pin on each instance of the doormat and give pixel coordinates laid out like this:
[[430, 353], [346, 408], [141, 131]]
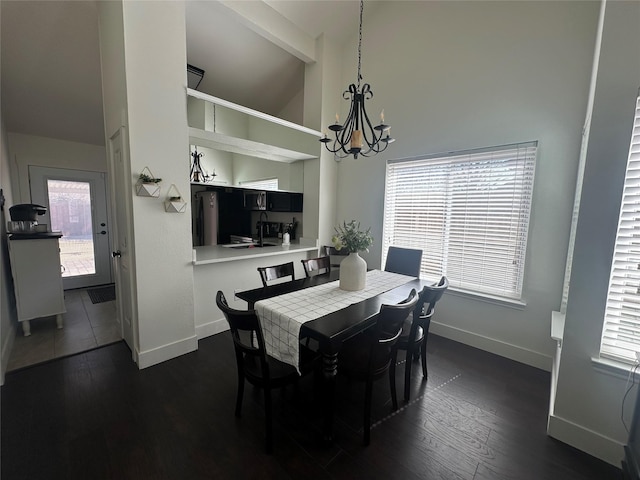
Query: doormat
[[102, 294]]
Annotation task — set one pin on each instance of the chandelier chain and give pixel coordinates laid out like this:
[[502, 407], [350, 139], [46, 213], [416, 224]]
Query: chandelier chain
[[360, 43]]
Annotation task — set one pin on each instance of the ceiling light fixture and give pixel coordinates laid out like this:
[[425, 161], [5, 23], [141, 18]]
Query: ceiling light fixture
[[357, 131], [199, 174], [194, 76]]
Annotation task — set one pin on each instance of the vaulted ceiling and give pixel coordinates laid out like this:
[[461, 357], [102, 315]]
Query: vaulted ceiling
[[50, 70]]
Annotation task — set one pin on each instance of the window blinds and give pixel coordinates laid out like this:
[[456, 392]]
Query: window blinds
[[264, 184], [621, 332], [468, 212]]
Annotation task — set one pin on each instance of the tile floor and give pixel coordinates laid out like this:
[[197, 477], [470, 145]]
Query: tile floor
[[86, 326]]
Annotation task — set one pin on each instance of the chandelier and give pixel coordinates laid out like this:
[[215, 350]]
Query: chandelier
[[198, 174], [357, 136]]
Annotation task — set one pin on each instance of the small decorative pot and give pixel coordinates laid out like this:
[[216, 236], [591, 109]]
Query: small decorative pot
[[353, 272]]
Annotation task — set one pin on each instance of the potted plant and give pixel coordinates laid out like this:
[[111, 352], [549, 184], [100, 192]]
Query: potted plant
[[353, 269], [147, 184]]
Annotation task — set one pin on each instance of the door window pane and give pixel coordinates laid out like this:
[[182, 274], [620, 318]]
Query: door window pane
[[70, 213]]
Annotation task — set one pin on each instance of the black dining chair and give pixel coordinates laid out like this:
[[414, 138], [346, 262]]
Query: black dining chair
[[332, 252], [275, 272], [405, 261], [415, 331], [316, 266], [371, 354], [255, 366]]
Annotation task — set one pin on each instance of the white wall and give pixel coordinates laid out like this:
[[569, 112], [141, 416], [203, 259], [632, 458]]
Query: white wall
[[588, 401], [460, 75], [8, 314], [251, 168], [156, 79], [29, 150]]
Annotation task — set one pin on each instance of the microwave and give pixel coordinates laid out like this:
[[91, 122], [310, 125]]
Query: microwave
[[255, 200]]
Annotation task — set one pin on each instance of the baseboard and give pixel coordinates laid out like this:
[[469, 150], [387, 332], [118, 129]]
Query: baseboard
[[211, 328], [161, 354], [7, 346], [593, 443], [491, 345]]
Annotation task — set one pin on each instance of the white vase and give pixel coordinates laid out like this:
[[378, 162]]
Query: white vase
[[353, 272]]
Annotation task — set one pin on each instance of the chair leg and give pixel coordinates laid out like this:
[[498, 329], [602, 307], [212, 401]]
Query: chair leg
[[392, 383], [423, 354], [367, 412], [268, 420], [407, 374], [240, 393]]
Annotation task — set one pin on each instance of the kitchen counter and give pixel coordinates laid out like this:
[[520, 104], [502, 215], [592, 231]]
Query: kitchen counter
[[34, 235], [219, 254]]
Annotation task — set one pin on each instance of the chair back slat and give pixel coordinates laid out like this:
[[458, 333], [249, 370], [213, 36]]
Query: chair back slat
[[391, 318], [405, 261], [245, 329], [316, 266], [430, 295], [275, 272]]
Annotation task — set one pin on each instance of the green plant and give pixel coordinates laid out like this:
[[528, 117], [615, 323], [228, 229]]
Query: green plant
[[349, 236], [144, 178]]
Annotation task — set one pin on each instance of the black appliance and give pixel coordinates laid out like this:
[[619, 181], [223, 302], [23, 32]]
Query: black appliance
[[26, 212], [255, 200]]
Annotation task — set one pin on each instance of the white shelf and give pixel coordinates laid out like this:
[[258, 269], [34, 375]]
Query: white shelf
[[226, 143], [222, 125]]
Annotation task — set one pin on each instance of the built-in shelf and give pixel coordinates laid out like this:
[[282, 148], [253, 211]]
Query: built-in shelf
[[243, 146], [223, 125]]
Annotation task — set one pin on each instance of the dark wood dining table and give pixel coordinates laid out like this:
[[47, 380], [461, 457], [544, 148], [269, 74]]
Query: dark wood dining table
[[331, 330]]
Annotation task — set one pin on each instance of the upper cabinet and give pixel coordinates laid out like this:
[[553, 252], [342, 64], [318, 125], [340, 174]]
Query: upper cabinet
[[225, 126]]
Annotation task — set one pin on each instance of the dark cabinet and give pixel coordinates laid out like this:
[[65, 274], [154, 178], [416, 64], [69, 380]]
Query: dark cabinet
[[284, 202]]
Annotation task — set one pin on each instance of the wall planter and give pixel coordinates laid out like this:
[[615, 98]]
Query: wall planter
[[174, 202], [148, 185]]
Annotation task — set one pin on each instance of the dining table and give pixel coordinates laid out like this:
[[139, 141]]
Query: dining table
[[331, 330]]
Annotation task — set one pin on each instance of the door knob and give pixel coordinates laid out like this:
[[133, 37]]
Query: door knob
[[115, 254]]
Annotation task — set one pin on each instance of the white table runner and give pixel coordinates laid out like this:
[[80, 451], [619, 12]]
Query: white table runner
[[281, 317]]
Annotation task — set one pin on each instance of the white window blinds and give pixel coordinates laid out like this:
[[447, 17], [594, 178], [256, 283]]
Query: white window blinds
[[468, 212], [621, 332], [264, 184]]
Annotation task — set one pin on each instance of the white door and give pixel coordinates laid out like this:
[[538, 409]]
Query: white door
[[76, 204], [121, 193]]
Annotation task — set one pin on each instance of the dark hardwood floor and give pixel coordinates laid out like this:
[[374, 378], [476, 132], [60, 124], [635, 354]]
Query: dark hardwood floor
[[95, 416]]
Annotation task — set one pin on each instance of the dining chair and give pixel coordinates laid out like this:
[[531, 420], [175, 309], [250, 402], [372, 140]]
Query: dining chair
[[415, 330], [371, 354], [330, 252], [405, 261], [275, 272], [316, 266], [255, 366]]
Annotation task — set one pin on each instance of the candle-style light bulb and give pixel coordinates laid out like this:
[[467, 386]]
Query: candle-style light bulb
[[382, 116], [337, 119]]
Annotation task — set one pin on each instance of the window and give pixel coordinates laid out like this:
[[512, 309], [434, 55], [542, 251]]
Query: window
[[468, 212], [265, 184], [621, 332]]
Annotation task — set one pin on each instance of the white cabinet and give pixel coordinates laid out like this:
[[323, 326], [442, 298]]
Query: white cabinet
[[37, 280]]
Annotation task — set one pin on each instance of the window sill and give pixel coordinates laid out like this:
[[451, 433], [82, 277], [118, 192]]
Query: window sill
[[503, 302], [612, 367]]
